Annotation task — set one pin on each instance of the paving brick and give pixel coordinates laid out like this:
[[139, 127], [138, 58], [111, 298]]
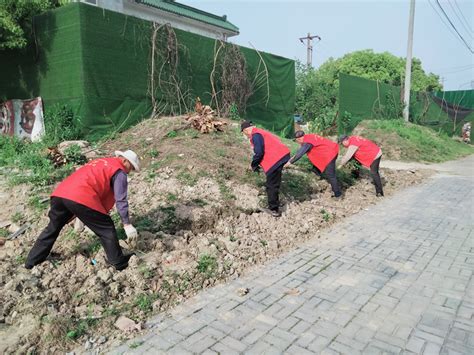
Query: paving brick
[[397, 279]]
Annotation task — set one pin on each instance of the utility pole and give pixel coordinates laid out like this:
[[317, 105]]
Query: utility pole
[[309, 48], [406, 96]]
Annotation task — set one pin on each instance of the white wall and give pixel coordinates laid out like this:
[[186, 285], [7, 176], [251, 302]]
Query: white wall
[[129, 7]]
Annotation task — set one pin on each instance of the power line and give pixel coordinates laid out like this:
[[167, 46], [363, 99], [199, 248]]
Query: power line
[[454, 27], [462, 23], [444, 21], [458, 71], [455, 68], [466, 21]]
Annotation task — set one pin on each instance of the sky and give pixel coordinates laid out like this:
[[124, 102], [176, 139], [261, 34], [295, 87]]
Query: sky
[[350, 25]]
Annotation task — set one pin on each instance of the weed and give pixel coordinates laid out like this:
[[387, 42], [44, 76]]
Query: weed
[[297, 185], [111, 311], [171, 197], [153, 153], [263, 242], [226, 191], [80, 328], [326, 215], [61, 125], [207, 265], [186, 178], [17, 217], [20, 259], [146, 272], [37, 203], [172, 134], [171, 223], [135, 344], [151, 175], [144, 302], [221, 152], [144, 223], [73, 155], [94, 246], [232, 238], [234, 112]]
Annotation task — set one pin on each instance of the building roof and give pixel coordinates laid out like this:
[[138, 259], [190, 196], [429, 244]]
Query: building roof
[[191, 12]]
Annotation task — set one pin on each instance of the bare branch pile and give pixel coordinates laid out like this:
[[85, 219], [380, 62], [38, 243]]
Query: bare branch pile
[[204, 120]]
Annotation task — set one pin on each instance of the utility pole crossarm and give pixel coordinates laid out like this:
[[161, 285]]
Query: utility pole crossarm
[[309, 47]]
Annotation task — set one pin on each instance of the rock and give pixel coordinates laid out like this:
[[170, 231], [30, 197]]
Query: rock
[[126, 324], [13, 228], [243, 291], [88, 345], [114, 289], [101, 340], [104, 274], [4, 224]]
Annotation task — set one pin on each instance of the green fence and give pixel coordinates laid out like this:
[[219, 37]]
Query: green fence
[[360, 99], [98, 62]]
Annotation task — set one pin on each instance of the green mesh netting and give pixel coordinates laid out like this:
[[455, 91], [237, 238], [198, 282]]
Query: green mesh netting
[[360, 99], [98, 62]]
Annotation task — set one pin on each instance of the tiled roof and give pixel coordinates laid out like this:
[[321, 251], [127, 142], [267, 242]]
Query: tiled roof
[[191, 12]]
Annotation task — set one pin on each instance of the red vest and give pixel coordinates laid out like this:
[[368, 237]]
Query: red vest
[[90, 185], [323, 151], [367, 151], [274, 149]]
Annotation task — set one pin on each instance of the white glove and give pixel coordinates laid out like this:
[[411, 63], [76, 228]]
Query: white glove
[[130, 231], [132, 235]]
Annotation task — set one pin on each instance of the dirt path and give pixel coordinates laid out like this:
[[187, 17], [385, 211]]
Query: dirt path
[[463, 167]]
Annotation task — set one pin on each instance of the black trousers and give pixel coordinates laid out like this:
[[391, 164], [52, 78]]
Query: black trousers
[[374, 171], [60, 213], [330, 174], [273, 188]]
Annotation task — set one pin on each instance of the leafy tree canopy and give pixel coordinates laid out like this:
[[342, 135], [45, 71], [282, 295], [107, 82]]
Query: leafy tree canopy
[[317, 89], [16, 18]]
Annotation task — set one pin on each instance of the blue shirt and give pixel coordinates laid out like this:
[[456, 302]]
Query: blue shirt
[[120, 185]]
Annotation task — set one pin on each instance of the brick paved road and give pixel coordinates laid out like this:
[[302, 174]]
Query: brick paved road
[[394, 279]]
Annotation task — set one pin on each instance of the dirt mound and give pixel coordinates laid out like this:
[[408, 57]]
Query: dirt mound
[[197, 212]]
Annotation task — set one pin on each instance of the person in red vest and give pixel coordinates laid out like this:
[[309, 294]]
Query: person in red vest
[[89, 194], [365, 152], [271, 155], [322, 152]]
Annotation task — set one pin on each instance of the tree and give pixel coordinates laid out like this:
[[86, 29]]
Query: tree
[[16, 18], [317, 89]]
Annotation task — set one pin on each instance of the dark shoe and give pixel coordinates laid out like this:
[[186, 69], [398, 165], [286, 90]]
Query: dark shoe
[[124, 263], [379, 194], [28, 266], [338, 197]]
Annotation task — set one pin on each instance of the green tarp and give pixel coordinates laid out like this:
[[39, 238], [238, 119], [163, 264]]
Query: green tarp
[[360, 99], [98, 62]]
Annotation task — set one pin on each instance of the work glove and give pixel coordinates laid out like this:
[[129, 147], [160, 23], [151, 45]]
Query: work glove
[[132, 235]]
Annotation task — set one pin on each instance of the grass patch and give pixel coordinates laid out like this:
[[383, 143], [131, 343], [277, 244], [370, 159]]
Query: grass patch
[[412, 142], [207, 265], [29, 161], [4, 233], [144, 302], [188, 179]]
